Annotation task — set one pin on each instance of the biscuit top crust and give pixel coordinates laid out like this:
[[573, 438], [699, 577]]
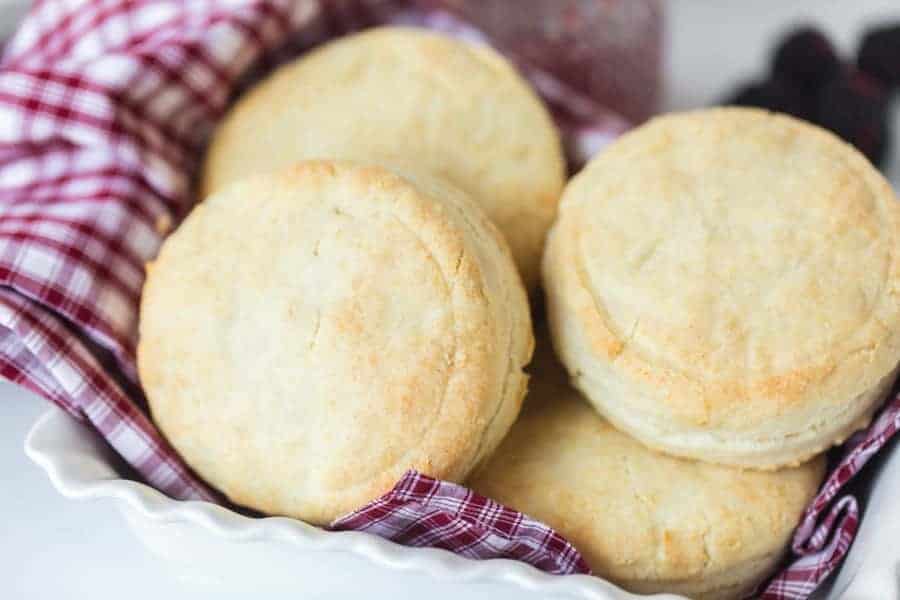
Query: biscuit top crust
[[734, 262], [307, 337], [410, 98], [640, 516]]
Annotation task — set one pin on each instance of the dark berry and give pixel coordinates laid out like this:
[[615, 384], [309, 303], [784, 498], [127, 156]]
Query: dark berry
[[807, 58], [879, 54], [777, 95], [855, 106]]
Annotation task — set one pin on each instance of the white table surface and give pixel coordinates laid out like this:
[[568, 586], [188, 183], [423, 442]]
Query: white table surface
[[54, 548]]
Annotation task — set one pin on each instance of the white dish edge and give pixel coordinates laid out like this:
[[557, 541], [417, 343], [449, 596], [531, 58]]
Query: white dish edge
[[79, 467]]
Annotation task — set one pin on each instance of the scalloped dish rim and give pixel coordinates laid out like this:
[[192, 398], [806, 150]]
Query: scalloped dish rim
[[79, 468]]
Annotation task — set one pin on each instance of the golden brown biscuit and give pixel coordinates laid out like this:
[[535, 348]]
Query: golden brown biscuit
[[723, 285], [407, 97], [644, 520], [309, 336]]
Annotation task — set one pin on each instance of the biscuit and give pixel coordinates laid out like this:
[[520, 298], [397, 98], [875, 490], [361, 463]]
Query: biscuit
[[407, 97], [723, 285], [306, 337], [646, 521]]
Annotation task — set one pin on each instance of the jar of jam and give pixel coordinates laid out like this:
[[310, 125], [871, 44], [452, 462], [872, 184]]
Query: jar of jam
[[609, 50]]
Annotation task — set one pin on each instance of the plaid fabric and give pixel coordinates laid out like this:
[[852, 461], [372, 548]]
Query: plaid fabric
[[828, 526], [421, 511], [104, 109]]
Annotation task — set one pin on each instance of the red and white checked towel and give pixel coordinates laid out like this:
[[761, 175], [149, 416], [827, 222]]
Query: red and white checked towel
[[104, 109]]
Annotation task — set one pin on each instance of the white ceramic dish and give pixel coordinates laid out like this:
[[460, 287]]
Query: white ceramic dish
[[205, 542], [214, 542]]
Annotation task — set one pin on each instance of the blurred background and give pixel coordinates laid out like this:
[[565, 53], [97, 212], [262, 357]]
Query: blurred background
[[715, 48], [710, 52]]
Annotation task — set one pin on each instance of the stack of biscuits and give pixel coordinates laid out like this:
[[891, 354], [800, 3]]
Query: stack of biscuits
[[353, 298]]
